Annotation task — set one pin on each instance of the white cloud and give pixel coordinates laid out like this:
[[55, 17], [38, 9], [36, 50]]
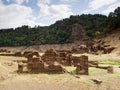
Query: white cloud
[[51, 13], [96, 4], [15, 15], [1, 3], [111, 8], [44, 1], [68, 1], [18, 1], [21, 1]]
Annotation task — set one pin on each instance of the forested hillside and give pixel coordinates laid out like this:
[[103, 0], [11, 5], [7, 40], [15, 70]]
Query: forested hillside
[[61, 32]]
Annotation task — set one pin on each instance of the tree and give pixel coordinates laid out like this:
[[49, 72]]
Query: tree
[[114, 19]]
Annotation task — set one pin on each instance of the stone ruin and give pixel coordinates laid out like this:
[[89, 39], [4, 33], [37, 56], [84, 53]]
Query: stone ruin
[[35, 65], [19, 54], [47, 63], [55, 68], [30, 54], [6, 52], [65, 58], [21, 67], [51, 60], [81, 64], [54, 62], [33, 62], [50, 57], [3, 50]]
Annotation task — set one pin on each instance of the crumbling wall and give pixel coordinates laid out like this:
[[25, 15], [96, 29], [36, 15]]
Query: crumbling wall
[[35, 65], [81, 64], [65, 58]]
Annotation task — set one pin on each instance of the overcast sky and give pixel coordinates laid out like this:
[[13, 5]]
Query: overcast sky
[[14, 13]]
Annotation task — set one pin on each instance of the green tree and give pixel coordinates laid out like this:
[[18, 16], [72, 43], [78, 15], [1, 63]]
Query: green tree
[[114, 19]]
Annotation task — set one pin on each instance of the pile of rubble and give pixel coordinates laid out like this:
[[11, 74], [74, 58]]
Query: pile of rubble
[[100, 46], [93, 47]]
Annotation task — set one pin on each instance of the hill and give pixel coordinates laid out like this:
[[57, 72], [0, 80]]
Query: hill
[[64, 31], [113, 39], [79, 28]]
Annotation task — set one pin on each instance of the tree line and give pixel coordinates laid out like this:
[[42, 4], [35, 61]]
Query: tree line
[[60, 32]]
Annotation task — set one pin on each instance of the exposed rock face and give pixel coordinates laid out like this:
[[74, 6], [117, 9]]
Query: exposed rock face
[[78, 33]]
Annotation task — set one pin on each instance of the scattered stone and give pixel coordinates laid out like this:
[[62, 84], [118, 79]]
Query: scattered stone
[[18, 54], [97, 81], [77, 76], [110, 69]]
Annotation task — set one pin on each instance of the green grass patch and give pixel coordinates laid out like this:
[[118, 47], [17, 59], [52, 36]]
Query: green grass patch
[[93, 71], [109, 62], [71, 69]]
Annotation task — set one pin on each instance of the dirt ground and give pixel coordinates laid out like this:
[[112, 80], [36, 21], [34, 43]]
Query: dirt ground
[[11, 80]]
